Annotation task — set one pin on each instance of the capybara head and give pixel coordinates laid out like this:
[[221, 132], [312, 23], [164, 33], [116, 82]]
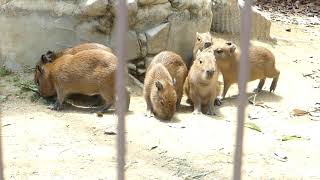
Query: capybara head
[[43, 81], [205, 65], [225, 51], [47, 57], [164, 99], [203, 40]]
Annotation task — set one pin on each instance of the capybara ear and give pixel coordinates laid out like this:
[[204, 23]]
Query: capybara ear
[[44, 58], [159, 86], [174, 81], [49, 55]]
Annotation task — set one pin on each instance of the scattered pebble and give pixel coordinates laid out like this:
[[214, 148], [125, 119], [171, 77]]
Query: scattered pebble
[[110, 133], [281, 156]]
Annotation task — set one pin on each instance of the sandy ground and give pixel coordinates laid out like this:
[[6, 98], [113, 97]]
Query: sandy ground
[[75, 144]]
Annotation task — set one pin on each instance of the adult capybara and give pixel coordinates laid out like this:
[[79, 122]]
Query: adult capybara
[[261, 60], [201, 85], [159, 92], [176, 67], [89, 72]]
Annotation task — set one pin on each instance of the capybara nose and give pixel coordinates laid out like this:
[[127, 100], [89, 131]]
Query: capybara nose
[[210, 73], [207, 44]]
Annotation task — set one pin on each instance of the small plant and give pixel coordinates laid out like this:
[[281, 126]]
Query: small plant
[[4, 71]]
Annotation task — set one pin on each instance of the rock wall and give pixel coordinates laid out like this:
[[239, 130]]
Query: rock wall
[[30, 29]]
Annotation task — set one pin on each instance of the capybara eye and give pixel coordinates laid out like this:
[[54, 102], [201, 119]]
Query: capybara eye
[[219, 51], [200, 62], [229, 43], [198, 39]]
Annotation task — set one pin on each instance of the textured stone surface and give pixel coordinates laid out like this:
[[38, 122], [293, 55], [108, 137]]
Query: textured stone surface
[[154, 25], [226, 18], [157, 38]]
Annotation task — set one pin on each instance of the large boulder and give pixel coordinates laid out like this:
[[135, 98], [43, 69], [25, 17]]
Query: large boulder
[[226, 18], [30, 29]]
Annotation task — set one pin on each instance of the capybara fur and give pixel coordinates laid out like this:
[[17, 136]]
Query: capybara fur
[[201, 85], [50, 56], [176, 67], [159, 92], [261, 61], [89, 72], [203, 40]]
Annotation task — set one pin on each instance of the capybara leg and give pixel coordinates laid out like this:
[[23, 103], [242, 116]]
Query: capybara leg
[[197, 107], [260, 85], [105, 108], [149, 109], [225, 89], [58, 104], [210, 109], [179, 100], [274, 82], [108, 98], [149, 112]]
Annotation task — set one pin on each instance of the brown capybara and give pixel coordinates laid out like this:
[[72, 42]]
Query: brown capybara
[[203, 40], [159, 92], [201, 85], [89, 72], [261, 60], [176, 67], [50, 56]]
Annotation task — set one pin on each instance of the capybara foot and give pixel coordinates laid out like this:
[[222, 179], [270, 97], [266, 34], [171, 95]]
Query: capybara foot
[[56, 106], [218, 101], [196, 112], [149, 114], [105, 108], [211, 113]]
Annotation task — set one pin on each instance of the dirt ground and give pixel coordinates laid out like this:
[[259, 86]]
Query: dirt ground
[[75, 144]]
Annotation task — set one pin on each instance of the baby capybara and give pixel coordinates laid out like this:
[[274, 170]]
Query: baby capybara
[[159, 92], [89, 72], [201, 85], [176, 67], [203, 40], [261, 60]]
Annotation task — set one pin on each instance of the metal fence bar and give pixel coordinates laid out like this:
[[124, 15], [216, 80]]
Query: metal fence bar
[[1, 157], [121, 29], [243, 76]]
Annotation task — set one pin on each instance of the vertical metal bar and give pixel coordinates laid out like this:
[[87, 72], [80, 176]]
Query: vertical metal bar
[[1, 157], [121, 35], [243, 76]]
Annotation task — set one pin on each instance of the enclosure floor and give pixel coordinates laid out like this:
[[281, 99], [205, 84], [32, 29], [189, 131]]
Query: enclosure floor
[[75, 144]]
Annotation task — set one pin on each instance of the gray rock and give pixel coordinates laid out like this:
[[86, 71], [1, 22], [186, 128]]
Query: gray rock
[[157, 38]]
